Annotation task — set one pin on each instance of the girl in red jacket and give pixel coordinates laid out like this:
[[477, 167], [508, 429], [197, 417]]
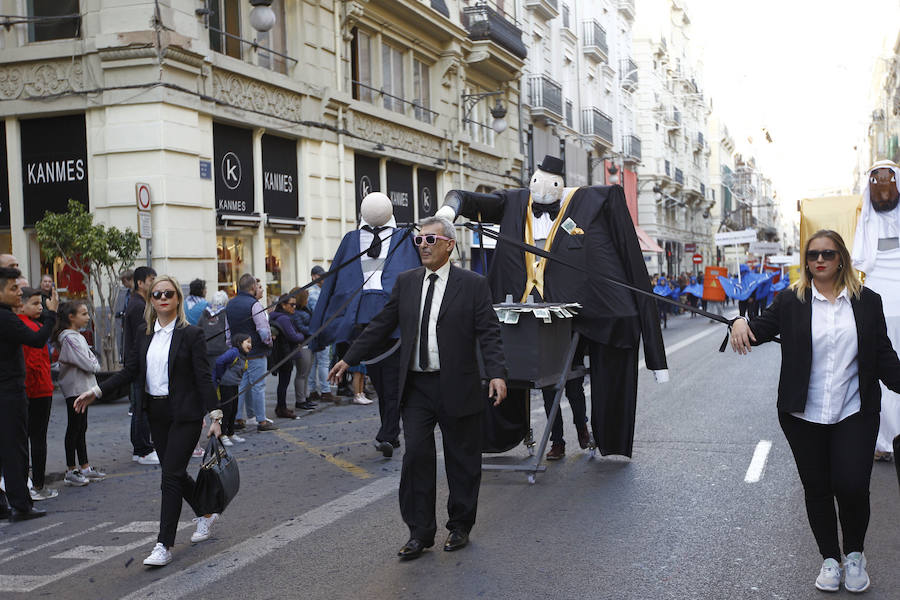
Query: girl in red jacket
[[39, 389]]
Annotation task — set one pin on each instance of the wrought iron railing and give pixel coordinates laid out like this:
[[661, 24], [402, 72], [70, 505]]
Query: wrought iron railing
[[545, 93], [484, 23]]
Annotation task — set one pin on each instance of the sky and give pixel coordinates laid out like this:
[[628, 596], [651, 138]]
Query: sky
[[803, 70]]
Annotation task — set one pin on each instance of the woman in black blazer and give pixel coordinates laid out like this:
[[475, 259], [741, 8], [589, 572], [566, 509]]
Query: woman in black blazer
[[834, 348], [171, 367]]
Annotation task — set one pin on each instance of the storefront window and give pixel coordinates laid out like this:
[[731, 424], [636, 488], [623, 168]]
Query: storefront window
[[233, 254], [279, 272]]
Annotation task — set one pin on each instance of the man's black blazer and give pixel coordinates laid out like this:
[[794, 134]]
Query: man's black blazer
[[192, 393], [466, 318], [792, 319]]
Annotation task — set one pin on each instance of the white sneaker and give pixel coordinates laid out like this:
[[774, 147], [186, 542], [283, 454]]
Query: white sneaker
[[856, 579], [829, 579], [361, 399], [74, 477], [44, 493], [160, 556], [203, 526], [150, 459], [237, 438], [226, 441], [93, 474]]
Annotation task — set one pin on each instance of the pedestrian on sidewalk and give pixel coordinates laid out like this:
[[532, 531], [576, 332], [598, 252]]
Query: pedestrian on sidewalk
[[39, 390], [318, 386], [286, 340], [212, 322], [13, 401], [196, 301], [303, 359], [228, 371], [77, 368], [171, 369], [132, 326], [835, 349]]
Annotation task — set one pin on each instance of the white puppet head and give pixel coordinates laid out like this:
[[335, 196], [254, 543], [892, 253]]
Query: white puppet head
[[547, 183], [376, 209]]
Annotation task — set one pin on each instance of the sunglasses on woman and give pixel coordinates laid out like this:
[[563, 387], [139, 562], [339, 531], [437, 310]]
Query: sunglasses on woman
[[169, 294], [826, 254], [428, 239]]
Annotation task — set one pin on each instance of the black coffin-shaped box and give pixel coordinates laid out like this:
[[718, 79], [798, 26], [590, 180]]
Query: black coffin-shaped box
[[536, 351]]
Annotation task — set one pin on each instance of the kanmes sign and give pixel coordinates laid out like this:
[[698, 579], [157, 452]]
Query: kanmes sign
[[233, 167]]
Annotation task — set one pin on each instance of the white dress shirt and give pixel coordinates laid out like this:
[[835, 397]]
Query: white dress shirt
[[440, 284], [540, 227], [158, 359], [374, 266], [834, 377]]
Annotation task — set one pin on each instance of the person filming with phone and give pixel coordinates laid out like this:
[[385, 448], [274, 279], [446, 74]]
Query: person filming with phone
[[443, 314]]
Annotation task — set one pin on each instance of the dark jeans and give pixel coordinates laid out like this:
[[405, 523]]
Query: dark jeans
[[284, 380], [835, 462], [575, 394], [14, 448], [385, 377], [38, 419], [462, 460], [76, 435], [228, 393], [140, 428], [175, 441]]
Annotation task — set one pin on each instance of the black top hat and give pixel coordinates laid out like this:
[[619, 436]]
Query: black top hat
[[552, 164]]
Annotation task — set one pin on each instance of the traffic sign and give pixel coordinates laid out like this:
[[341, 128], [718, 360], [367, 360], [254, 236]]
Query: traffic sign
[[145, 228], [698, 258], [142, 193], [690, 247], [727, 238]]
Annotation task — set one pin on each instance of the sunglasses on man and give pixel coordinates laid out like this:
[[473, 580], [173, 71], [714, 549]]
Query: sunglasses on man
[[429, 239], [825, 254], [158, 294]]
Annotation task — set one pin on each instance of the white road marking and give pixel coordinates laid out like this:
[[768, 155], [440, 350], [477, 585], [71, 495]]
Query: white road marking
[[20, 536], [138, 527], [685, 343], [758, 462], [54, 541], [194, 578]]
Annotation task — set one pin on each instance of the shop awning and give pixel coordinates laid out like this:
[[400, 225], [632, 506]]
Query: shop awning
[[647, 243]]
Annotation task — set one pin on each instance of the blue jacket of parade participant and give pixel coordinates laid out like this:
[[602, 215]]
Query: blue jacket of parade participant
[[376, 272]]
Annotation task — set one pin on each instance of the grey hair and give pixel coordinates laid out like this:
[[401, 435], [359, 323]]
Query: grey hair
[[448, 230], [246, 282]]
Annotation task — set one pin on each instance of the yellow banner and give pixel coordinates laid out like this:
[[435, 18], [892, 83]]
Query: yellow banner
[[838, 213]]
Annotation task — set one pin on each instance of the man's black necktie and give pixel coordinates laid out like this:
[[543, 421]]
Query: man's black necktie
[[374, 250], [551, 209], [423, 328]]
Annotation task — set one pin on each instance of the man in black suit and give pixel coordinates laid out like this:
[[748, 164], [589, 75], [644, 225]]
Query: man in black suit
[[443, 312]]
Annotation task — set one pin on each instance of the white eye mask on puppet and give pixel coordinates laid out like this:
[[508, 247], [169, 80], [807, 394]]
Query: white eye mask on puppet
[[376, 209], [546, 188]]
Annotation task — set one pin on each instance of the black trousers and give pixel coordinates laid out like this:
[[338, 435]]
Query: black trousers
[[229, 411], [284, 380], [385, 377], [140, 427], [613, 397], [175, 441], [76, 435], [422, 410], [38, 420], [575, 394], [14, 448], [835, 462]]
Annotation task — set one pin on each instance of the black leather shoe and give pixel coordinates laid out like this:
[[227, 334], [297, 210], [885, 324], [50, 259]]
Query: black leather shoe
[[4, 511], [456, 540], [386, 449], [24, 515], [412, 549]]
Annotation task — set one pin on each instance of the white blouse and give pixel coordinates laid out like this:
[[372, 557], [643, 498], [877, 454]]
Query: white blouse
[[158, 359], [834, 378]]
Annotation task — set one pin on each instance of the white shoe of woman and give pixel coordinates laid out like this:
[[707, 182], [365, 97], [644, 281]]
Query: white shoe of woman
[[160, 556], [203, 526]]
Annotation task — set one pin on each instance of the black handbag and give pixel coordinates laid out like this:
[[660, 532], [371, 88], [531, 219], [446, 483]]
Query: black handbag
[[218, 481]]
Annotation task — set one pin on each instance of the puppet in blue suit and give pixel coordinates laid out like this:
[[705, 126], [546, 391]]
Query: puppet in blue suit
[[389, 252]]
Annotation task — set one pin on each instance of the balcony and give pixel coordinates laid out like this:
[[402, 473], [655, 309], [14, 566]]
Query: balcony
[[679, 176], [628, 74], [631, 148], [597, 124], [626, 7], [699, 142], [548, 9], [484, 23], [595, 47], [545, 98]]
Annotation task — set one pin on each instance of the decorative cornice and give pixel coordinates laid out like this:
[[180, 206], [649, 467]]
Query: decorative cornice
[[40, 79], [485, 162], [395, 136], [251, 94]]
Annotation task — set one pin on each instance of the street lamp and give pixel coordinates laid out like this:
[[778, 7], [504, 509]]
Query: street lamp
[[498, 111], [262, 17]]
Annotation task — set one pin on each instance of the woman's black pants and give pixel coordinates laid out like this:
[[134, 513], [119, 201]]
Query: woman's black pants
[[76, 435], [835, 462], [38, 419], [228, 393], [174, 441], [284, 380]]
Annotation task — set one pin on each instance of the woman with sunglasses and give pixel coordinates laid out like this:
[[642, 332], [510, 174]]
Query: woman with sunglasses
[[287, 338], [834, 350], [170, 366]]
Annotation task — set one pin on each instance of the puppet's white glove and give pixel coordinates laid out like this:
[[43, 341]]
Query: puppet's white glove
[[662, 376], [446, 212]]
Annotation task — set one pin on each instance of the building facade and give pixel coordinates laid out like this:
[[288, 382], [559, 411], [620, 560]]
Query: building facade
[[256, 146]]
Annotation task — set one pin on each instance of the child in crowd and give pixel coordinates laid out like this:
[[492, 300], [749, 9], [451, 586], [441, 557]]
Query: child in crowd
[[77, 365], [230, 367], [39, 389]]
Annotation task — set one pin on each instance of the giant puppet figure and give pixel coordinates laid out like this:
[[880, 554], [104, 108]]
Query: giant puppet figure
[[876, 252], [388, 252], [590, 227]]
